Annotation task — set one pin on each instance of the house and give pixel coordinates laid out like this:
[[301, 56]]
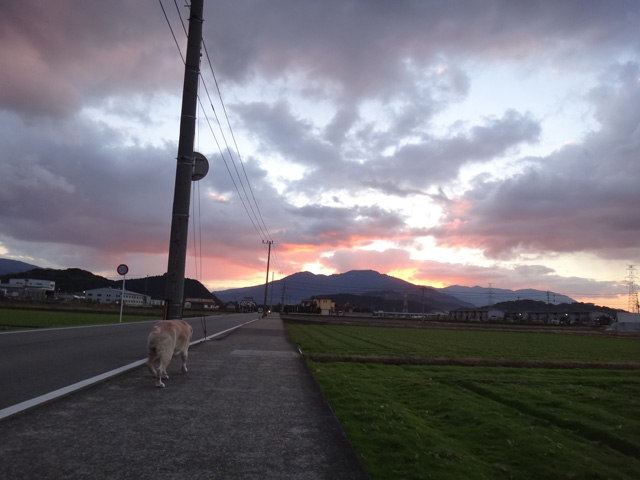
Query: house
[[230, 306], [113, 295], [326, 306], [200, 303], [247, 304]]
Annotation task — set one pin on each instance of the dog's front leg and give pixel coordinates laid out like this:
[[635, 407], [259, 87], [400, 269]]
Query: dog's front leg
[[159, 383], [159, 375]]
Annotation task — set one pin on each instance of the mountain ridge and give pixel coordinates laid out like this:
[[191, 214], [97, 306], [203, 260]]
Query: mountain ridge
[[76, 280], [365, 283], [298, 286], [9, 266], [369, 283], [482, 296]]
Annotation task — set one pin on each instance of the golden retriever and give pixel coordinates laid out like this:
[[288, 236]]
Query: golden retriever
[[167, 339]]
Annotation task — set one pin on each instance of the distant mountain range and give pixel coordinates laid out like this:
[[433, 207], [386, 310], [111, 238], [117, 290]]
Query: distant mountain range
[[367, 288], [381, 292], [481, 296], [8, 266], [75, 280], [363, 288]]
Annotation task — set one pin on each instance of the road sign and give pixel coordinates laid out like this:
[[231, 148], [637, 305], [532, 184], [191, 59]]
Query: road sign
[[122, 269], [200, 166]]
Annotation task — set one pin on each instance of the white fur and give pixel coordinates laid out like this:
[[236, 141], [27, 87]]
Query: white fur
[[167, 339]]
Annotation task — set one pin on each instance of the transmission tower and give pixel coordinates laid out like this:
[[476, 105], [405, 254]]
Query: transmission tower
[[632, 306], [490, 294]]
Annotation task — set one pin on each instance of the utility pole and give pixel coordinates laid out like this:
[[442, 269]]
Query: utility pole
[[284, 286], [174, 292], [266, 284], [271, 300]]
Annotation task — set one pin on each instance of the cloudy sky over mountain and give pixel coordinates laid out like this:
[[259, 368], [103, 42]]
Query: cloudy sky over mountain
[[442, 142]]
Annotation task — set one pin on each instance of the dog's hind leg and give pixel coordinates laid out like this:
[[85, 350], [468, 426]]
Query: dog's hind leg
[[150, 361], [165, 359], [158, 376], [183, 356]]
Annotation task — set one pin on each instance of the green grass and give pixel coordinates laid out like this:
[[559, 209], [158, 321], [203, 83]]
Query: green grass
[[415, 422], [452, 344], [451, 422], [18, 318]]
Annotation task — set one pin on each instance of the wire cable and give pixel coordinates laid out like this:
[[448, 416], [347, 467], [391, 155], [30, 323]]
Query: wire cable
[[171, 28], [256, 219], [263, 235], [234, 137]]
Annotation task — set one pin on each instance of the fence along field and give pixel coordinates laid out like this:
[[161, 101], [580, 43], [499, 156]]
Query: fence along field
[[414, 421]]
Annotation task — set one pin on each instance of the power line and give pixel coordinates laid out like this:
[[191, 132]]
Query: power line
[[171, 28], [263, 235], [231, 175], [259, 224], [206, 51], [180, 16]]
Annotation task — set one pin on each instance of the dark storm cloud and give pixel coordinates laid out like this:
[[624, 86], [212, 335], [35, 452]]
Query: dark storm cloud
[[362, 45], [74, 185], [583, 197], [436, 161], [59, 56], [408, 171], [281, 132], [340, 226]]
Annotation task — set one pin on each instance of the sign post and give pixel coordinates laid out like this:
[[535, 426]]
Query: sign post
[[122, 270]]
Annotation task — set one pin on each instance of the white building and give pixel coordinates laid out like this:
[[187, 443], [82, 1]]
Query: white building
[[627, 322], [27, 289], [112, 295], [32, 283], [626, 317]]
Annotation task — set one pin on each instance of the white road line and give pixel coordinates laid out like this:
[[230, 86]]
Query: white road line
[[27, 404], [30, 330], [224, 331], [6, 412]]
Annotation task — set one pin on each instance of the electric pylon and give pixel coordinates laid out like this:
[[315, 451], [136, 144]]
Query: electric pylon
[[632, 305]]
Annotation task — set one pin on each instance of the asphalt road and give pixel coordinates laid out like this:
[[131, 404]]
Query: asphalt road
[[36, 362]]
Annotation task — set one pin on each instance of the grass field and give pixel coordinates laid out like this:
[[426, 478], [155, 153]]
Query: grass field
[[18, 318], [411, 343], [452, 422]]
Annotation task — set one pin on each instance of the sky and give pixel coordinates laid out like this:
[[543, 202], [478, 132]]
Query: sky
[[492, 143]]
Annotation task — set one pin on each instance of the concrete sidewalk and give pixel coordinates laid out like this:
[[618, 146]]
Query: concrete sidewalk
[[248, 409]]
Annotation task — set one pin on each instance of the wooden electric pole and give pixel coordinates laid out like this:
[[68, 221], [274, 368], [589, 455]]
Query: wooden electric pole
[[174, 293], [266, 285]]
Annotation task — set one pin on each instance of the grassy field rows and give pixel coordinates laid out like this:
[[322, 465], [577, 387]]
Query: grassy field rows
[[451, 422], [20, 318], [454, 344]]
